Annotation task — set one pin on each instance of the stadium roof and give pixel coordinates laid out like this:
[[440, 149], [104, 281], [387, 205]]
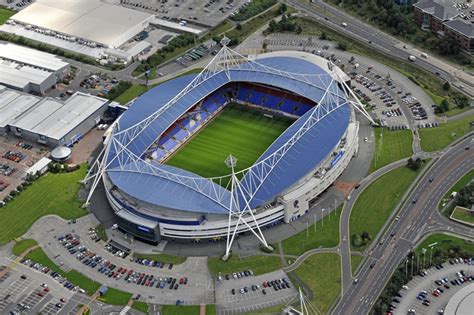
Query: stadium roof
[[31, 57], [166, 185], [88, 19], [55, 119]]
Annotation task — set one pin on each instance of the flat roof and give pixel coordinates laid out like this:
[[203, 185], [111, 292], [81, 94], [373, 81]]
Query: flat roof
[[176, 26], [88, 19], [38, 166], [13, 74], [31, 57], [13, 104], [54, 118]]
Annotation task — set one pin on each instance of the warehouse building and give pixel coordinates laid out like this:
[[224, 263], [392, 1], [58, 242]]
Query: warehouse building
[[94, 21], [29, 70], [47, 120]]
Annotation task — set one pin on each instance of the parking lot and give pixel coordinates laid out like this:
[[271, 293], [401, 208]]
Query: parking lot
[[430, 292], [395, 100], [208, 13], [250, 293], [24, 290], [15, 158]]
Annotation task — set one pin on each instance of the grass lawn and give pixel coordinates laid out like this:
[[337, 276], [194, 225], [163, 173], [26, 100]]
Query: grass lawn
[[5, 14], [140, 306], [234, 131], [101, 232], [211, 309], [276, 309], [456, 187], [433, 139], [180, 310], [39, 256], [463, 215], [169, 259], [116, 297], [131, 93], [23, 245], [326, 234], [390, 146], [322, 273], [259, 264], [50, 194], [356, 260], [445, 241], [375, 204]]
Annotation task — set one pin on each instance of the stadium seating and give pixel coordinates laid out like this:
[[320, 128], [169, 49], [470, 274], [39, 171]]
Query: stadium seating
[[169, 145]]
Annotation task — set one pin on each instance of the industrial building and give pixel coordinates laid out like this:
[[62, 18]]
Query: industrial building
[[89, 20], [29, 70], [47, 120]]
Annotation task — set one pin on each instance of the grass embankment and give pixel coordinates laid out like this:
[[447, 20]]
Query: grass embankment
[[259, 264], [180, 310], [390, 146], [168, 259], [5, 14], [131, 93], [320, 234], [456, 187], [445, 241], [375, 204], [433, 139], [50, 194], [429, 82], [116, 297], [234, 132], [356, 260], [21, 246], [322, 274], [276, 309], [140, 306], [463, 215]]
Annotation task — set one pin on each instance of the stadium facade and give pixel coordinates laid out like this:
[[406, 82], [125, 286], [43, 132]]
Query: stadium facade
[[153, 200]]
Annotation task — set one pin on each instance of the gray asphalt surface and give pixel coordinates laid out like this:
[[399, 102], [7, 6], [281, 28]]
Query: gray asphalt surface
[[415, 221]]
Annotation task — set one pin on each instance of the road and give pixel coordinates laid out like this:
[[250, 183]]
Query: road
[[382, 42], [416, 219]]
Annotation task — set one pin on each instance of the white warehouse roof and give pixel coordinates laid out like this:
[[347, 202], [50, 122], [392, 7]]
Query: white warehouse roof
[[92, 20], [31, 57], [13, 104], [55, 119]]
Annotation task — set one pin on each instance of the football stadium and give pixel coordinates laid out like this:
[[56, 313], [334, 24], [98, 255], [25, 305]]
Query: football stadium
[[244, 145]]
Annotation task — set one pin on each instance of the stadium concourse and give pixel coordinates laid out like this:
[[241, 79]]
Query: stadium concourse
[[153, 199]]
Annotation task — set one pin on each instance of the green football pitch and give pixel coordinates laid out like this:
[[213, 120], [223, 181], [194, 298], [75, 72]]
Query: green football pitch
[[242, 132]]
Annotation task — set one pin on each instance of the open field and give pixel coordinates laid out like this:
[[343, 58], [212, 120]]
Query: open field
[[5, 14], [456, 187], [322, 273], [21, 246], [320, 234], [433, 139], [356, 260], [50, 194], [259, 264], [375, 204], [169, 259], [116, 297], [234, 132], [131, 93], [446, 241], [463, 215], [390, 146]]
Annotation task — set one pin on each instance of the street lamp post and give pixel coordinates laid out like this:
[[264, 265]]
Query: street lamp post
[[315, 223], [322, 219]]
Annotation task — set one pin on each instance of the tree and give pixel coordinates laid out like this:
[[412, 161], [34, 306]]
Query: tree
[[238, 26], [323, 36], [282, 9], [356, 240], [342, 45], [446, 86], [264, 46]]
